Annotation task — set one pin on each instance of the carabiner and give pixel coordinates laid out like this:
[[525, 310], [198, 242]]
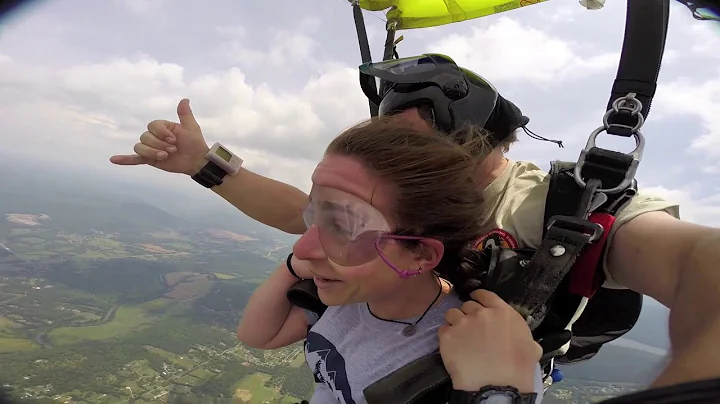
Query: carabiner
[[629, 175]]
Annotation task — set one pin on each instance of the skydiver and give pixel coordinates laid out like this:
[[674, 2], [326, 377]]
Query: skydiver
[[383, 235], [650, 250]]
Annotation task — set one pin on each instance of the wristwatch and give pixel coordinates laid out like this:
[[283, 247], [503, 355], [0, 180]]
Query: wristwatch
[[220, 162], [492, 395]]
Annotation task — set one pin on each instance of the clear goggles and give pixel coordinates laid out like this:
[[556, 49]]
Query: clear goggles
[[351, 231]]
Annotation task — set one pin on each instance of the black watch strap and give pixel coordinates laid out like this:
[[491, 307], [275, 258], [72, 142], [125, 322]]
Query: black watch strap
[[210, 175], [492, 395]]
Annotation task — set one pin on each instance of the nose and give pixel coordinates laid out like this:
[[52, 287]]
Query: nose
[[308, 246]]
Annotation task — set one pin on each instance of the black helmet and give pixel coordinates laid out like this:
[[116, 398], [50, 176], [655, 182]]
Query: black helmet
[[455, 95]]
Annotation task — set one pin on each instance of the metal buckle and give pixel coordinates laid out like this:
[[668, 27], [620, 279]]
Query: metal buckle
[[595, 230], [621, 201], [625, 105]]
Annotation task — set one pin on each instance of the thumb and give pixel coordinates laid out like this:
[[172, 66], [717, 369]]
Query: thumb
[[187, 119]]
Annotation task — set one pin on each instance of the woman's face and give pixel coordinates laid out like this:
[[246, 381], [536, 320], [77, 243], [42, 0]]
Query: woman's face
[[347, 203]]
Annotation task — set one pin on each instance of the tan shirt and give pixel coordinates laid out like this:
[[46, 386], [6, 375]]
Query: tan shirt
[[516, 205]]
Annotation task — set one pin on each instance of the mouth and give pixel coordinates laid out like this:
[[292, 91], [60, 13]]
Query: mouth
[[322, 282]]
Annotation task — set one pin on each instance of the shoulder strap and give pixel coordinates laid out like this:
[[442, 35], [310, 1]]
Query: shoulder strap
[[563, 195], [642, 52], [304, 294]]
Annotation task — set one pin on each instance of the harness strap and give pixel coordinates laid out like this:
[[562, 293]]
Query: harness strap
[[423, 380], [365, 81], [304, 294], [642, 52], [551, 262], [389, 50]]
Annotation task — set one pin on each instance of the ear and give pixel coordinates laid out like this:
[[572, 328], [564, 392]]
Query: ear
[[429, 254]]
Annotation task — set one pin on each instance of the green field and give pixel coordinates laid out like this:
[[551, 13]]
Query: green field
[[166, 344], [158, 304], [127, 318], [9, 341], [254, 389], [176, 359], [298, 361], [8, 345]]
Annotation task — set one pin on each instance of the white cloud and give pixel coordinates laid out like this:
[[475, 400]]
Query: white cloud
[[700, 210], [704, 39], [82, 97], [96, 108], [510, 51], [285, 49], [699, 99], [144, 6]]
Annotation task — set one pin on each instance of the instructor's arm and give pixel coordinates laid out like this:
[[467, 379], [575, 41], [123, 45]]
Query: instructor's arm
[[181, 148], [270, 202]]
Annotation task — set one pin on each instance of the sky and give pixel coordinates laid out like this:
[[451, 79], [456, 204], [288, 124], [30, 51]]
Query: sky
[[276, 80]]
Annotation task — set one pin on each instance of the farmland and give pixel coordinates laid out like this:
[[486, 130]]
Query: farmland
[[112, 317]]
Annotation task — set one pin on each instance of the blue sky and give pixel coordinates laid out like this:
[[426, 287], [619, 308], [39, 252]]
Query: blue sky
[[275, 80]]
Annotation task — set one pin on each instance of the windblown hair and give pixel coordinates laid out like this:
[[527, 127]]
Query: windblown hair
[[433, 178], [509, 140]]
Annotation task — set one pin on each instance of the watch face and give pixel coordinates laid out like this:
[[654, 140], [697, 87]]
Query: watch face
[[223, 154], [497, 396]]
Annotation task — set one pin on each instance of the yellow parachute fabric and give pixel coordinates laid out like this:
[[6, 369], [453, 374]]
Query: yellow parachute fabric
[[409, 14]]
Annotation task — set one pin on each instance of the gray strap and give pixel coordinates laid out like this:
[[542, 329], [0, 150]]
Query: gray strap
[[546, 270], [423, 380]]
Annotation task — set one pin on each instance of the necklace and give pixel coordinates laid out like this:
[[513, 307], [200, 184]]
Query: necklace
[[411, 328]]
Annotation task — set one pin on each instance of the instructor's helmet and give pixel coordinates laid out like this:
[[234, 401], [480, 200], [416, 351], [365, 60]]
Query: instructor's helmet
[[456, 96]]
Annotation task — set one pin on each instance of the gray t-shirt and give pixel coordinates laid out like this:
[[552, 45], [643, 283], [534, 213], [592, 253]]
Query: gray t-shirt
[[348, 349]]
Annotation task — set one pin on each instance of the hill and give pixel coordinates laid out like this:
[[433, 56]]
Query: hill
[[78, 200]]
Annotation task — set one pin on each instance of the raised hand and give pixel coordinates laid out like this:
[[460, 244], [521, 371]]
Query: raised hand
[[169, 146]]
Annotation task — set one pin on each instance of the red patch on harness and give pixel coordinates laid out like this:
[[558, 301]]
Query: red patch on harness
[[586, 276], [497, 237]]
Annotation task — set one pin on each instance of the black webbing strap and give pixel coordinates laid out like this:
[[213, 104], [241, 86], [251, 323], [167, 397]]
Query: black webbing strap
[[552, 261], [304, 294], [423, 380], [646, 25], [564, 194], [365, 55], [389, 51]]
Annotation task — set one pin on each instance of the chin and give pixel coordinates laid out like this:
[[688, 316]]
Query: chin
[[334, 298]]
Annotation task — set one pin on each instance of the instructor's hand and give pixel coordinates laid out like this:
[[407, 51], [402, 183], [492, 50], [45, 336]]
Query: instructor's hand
[[169, 146], [486, 342]]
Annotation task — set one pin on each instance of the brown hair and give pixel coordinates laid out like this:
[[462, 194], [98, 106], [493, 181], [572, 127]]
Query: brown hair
[[432, 175], [504, 146]]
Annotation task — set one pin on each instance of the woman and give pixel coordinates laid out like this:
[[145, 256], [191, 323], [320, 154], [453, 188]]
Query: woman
[[390, 208]]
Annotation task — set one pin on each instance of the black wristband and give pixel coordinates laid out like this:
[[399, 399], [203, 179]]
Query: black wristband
[[210, 175], [290, 268]]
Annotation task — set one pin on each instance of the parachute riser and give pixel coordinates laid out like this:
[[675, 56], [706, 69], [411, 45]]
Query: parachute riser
[[365, 55], [627, 105], [390, 50], [367, 83]]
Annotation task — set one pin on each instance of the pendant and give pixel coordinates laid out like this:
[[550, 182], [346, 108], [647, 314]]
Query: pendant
[[409, 331]]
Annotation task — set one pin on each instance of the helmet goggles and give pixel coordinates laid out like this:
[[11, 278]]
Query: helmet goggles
[[456, 96], [351, 231]]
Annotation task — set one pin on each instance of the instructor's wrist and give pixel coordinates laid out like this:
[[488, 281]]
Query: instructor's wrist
[[198, 164]]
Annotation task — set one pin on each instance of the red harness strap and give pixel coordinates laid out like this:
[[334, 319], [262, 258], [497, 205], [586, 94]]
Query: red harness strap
[[585, 279]]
